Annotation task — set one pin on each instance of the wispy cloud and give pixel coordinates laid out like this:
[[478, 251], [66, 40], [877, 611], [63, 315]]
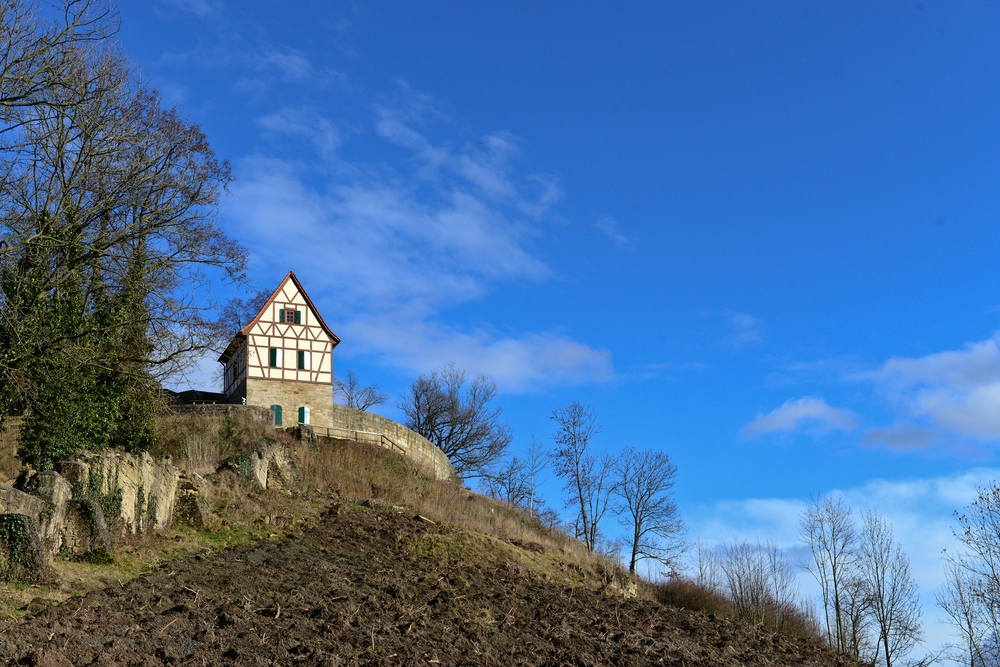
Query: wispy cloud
[[306, 124], [200, 8], [744, 330], [391, 249], [955, 392], [613, 230], [808, 412]]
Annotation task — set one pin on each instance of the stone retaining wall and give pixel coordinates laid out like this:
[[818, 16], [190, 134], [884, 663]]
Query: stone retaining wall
[[417, 448]]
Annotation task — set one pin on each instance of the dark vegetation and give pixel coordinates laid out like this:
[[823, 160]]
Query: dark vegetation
[[108, 221]]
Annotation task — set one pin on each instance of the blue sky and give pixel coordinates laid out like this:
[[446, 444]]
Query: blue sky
[[758, 236]]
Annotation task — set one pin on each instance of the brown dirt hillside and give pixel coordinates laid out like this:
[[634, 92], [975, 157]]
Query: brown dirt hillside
[[372, 586], [369, 581]]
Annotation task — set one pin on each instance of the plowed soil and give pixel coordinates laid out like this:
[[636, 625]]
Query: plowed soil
[[352, 590]]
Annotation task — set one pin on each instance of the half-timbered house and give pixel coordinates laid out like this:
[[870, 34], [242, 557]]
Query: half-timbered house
[[283, 359]]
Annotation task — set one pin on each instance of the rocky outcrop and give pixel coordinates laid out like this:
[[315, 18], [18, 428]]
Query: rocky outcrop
[[135, 492], [190, 505], [22, 555], [85, 533], [57, 521], [55, 491], [269, 465]]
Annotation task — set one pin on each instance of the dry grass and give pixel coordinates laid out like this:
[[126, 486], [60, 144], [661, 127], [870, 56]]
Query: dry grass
[[360, 472], [686, 594], [199, 443]]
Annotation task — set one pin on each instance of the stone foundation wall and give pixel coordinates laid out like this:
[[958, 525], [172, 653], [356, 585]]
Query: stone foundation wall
[[236, 413], [417, 448], [290, 395]]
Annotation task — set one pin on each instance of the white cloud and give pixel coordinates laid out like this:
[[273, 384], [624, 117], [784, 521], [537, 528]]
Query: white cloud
[[744, 330], [518, 363], [613, 230], [200, 8], [807, 412], [304, 123], [387, 251], [956, 392], [920, 511]]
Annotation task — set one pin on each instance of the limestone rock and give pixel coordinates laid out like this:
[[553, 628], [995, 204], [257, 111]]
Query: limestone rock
[[85, 533], [13, 501], [269, 465], [136, 493], [22, 556], [190, 506], [51, 487]]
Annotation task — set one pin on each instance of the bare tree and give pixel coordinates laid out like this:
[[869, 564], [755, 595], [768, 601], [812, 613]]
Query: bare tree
[[358, 397], [515, 481], [709, 567], [964, 608], [977, 574], [458, 418], [760, 582], [895, 604], [237, 313], [587, 477], [827, 527], [103, 167], [643, 489], [106, 195]]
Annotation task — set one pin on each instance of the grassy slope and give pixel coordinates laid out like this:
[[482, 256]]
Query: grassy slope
[[481, 532]]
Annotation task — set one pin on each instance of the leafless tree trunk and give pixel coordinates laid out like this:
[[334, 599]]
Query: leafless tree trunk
[[895, 604], [761, 584], [979, 565], [709, 567], [643, 489], [587, 478], [90, 161], [458, 418], [358, 397], [827, 528], [958, 599]]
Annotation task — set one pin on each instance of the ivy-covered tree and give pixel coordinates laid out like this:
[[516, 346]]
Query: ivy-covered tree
[[108, 222]]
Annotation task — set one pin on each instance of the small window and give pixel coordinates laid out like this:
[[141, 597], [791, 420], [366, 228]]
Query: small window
[[303, 360], [292, 316], [303, 415]]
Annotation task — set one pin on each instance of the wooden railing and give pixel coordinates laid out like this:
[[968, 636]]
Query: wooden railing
[[371, 437]]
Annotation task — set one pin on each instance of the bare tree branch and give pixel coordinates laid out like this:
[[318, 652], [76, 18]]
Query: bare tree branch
[[458, 418]]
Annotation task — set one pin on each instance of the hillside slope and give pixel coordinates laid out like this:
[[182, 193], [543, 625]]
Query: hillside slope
[[372, 586], [370, 581]]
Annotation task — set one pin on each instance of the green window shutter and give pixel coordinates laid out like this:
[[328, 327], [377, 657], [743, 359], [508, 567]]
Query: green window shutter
[[302, 415], [298, 317], [281, 315], [301, 360], [273, 357], [276, 409]]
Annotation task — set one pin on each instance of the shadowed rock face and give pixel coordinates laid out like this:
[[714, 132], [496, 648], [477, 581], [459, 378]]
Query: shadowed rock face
[[85, 533], [53, 489], [43, 519], [135, 492], [22, 555], [269, 465]]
